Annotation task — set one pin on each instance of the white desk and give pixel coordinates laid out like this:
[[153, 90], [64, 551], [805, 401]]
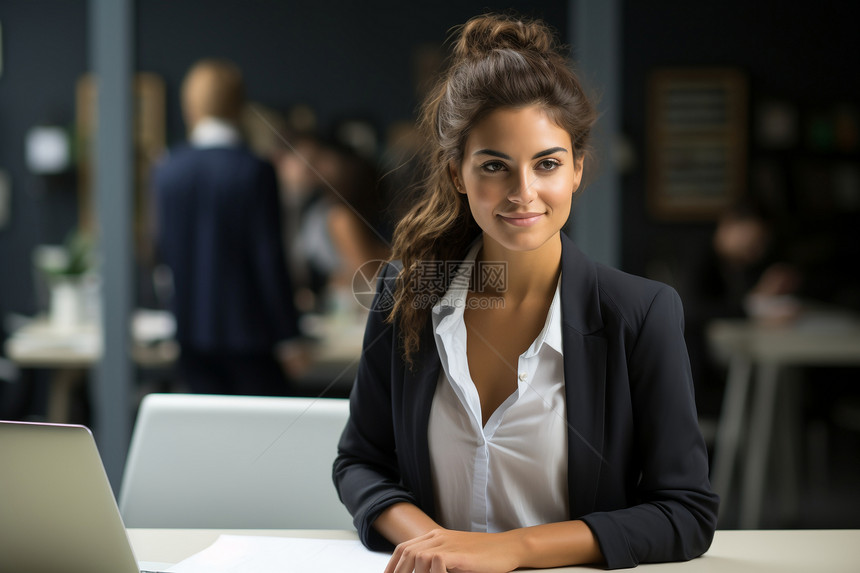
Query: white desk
[[71, 352], [825, 551], [756, 355]]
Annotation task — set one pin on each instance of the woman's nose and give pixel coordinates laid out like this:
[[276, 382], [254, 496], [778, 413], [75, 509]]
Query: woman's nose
[[523, 190]]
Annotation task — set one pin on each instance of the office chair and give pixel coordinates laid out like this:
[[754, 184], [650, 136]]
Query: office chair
[[234, 462]]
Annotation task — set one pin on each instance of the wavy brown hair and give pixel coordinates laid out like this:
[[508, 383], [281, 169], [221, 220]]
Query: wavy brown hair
[[496, 62]]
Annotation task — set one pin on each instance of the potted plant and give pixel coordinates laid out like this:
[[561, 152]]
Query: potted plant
[[66, 268]]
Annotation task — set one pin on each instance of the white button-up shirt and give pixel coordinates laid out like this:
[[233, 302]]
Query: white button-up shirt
[[512, 472]]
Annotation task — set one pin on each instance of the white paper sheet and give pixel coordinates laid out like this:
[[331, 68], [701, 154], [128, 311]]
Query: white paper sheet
[[253, 554]]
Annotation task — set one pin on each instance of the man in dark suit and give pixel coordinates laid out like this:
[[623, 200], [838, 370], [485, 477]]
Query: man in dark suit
[[218, 230]]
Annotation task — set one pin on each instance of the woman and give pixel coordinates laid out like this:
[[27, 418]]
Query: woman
[[540, 419]]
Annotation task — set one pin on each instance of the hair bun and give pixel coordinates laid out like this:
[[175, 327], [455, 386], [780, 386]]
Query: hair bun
[[482, 35]]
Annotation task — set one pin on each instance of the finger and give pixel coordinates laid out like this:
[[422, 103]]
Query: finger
[[395, 559], [438, 565], [405, 565], [424, 562]]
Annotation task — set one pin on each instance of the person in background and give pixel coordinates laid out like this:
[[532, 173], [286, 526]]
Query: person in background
[[744, 273], [332, 192], [218, 229], [745, 269], [529, 408], [355, 222]]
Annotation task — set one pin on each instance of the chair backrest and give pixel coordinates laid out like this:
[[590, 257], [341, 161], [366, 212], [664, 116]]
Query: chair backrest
[[234, 462]]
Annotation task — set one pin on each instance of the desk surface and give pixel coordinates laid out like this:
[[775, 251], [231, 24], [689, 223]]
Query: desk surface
[[756, 353], [831, 551], [39, 344], [815, 338]]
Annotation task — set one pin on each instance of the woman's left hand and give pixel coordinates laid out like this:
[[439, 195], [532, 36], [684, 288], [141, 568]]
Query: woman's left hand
[[448, 551]]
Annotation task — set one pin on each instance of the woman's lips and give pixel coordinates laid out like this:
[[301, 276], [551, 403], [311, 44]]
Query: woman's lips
[[521, 219]]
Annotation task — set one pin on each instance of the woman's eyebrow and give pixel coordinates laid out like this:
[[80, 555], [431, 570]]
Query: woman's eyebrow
[[493, 153], [549, 151], [501, 155]]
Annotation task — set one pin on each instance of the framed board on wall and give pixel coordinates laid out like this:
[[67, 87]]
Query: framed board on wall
[[149, 144], [696, 141]]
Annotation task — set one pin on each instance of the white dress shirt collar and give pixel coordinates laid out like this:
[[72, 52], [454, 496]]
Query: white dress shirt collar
[[214, 132], [449, 310]]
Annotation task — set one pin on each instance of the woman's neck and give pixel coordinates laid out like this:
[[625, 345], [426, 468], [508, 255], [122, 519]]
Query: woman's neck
[[527, 273]]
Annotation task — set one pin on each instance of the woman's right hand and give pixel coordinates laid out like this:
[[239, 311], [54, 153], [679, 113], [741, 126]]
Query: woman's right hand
[[448, 551]]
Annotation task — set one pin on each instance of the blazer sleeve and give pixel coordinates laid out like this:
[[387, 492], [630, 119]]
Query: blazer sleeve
[[366, 472], [674, 513]]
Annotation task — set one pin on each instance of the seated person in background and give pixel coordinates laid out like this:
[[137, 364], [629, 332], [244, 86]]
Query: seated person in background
[[741, 275], [219, 231], [747, 273]]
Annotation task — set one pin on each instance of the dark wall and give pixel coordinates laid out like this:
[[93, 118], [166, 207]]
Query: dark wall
[[44, 52], [804, 55], [342, 58]]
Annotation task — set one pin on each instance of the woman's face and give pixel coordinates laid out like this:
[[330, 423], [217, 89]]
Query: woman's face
[[519, 173]]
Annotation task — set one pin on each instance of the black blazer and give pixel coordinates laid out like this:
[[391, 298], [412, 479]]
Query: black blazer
[[637, 463], [219, 230]]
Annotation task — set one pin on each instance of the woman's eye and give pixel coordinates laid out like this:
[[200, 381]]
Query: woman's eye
[[493, 166], [548, 164]]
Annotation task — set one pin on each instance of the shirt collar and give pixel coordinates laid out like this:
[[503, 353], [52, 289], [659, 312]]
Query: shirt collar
[[551, 333], [450, 308], [448, 311], [214, 132]]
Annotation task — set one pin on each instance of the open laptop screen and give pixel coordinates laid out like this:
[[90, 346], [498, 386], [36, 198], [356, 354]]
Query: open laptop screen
[[57, 509]]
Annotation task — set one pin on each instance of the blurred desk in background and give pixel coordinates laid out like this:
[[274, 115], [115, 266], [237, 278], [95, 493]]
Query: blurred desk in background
[[757, 355], [334, 353], [71, 352]]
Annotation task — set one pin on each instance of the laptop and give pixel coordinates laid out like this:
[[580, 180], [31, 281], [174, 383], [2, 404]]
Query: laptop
[[57, 509]]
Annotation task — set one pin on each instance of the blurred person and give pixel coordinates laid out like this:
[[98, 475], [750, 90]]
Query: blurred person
[[311, 254], [742, 274], [359, 231], [745, 245], [332, 193], [744, 264], [292, 149], [219, 231]]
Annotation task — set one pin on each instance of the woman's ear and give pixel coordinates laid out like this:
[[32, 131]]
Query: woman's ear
[[577, 169], [454, 172]]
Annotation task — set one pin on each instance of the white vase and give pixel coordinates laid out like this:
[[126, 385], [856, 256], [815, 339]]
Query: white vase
[[66, 304]]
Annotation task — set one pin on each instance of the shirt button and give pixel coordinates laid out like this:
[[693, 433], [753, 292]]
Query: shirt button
[[523, 376]]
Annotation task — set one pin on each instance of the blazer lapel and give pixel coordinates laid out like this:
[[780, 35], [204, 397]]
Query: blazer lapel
[[585, 355], [419, 385]]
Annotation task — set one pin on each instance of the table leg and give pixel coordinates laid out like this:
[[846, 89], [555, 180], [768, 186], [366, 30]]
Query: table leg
[[758, 451], [730, 424], [789, 424], [63, 384]]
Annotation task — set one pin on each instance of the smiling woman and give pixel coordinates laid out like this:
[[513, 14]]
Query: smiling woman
[[556, 427]]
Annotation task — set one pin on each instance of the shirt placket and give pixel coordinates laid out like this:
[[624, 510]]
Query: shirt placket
[[526, 367]]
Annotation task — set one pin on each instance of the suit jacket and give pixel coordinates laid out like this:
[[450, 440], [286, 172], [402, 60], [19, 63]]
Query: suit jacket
[[219, 231], [637, 463]]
